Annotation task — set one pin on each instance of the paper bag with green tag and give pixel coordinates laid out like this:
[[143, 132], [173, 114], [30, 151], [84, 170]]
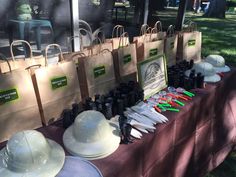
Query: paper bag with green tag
[[18, 104], [96, 74], [56, 86], [125, 61], [189, 44], [146, 47], [171, 46], [20, 63]]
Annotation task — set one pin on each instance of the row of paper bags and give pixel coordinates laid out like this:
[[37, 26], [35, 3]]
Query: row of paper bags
[[32, 92]]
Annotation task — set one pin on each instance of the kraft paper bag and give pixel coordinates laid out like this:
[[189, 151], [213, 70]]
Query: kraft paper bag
[[18, 104], [125, 62], [96, 74], [147, 48], [170, 49], [189, 44], [57, 87], [118, 30], [20, 63], [157, 32]]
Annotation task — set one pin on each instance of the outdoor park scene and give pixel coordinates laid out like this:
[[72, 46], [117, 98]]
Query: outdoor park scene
[[75, 26]]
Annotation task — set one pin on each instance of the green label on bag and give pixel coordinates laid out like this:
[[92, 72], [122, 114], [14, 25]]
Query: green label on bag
[[98, 71], [127, 59], [172, 45], [8, 96], [191, 42], [59, 82], [153, 52]]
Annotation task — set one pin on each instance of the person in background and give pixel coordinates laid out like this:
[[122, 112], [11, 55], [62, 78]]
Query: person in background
[[197, 6]]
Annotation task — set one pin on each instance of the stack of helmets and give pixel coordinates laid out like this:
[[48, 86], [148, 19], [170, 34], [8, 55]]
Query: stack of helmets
[[91, 136], [218, 62], [207, 70], [29, 154]]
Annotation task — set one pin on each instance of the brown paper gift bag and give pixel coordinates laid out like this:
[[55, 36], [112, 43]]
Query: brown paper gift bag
[[157, 32], [18, 105], [189, 44], [20, 63], [147, 48], [56, 86], [171, 46], [117, 31], [125, 61], [96, 74]]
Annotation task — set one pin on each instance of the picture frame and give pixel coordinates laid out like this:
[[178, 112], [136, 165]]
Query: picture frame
[[152, 75]]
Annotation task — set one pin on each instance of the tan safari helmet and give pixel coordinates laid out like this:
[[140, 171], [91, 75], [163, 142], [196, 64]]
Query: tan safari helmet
[[218, 62], [91, 136], [207, 70], [30, 154]]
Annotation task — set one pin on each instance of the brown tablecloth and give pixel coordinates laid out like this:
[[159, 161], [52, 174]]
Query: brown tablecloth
[[194, 141]]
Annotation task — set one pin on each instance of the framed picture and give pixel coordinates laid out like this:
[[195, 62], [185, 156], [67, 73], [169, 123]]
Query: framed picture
[[152, 75]]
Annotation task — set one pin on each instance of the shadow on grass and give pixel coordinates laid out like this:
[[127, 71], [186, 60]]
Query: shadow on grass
[[218, 35]]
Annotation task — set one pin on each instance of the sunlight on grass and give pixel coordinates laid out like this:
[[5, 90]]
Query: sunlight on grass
[[218, 35]]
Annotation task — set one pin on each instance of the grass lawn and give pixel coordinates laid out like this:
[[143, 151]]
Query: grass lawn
[[218, 35]]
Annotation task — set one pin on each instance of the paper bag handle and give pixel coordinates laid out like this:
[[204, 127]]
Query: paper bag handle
[[144, 29], [192, 26], [4, 58], [122, 38], [46, 52], [119, 29], [170, 31], [105, 50], [20, 41], [100, 45], [148, 31], [38, 65], [158, 26]]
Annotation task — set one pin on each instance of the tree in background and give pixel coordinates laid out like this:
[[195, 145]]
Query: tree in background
[[216, 9]]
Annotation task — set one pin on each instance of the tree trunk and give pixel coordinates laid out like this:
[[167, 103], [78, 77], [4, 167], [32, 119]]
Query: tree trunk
[[190, 4], [138, 12], [216, 9]]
